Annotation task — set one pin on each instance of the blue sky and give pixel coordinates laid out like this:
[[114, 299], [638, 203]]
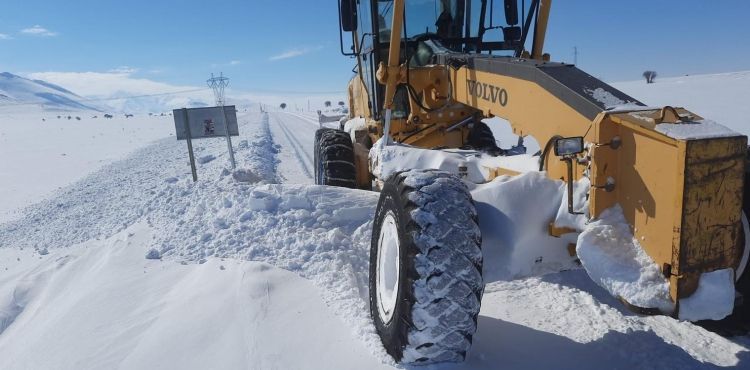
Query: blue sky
[[268, 46]]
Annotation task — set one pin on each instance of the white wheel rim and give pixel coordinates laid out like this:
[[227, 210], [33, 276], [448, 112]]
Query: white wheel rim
[[388, 268], [745, 253]]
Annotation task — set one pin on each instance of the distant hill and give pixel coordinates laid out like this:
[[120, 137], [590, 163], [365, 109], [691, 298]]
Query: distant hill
[[721, 97], [123, 102], [18, 91]]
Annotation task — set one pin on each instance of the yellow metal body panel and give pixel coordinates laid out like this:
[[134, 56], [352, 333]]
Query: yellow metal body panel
[[530, 109]]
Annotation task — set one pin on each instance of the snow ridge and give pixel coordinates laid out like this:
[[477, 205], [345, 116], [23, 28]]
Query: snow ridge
[[261, 157]]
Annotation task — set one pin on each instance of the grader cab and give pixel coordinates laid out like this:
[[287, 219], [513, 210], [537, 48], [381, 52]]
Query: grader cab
[[427, 74]]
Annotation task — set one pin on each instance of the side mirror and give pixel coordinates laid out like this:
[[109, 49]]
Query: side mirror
[[511, 12], [511, 33], [348, 15], [568, 146]]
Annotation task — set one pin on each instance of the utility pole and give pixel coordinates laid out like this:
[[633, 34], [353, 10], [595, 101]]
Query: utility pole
[[218, 84], [575, 55]]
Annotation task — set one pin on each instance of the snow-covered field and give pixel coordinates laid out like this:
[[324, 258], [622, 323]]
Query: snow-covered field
[[256, 268], [41, 153]]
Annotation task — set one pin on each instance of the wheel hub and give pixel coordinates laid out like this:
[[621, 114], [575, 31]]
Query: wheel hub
[[388, 268]]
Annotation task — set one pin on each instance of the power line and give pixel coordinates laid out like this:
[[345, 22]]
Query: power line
[[146, 95]]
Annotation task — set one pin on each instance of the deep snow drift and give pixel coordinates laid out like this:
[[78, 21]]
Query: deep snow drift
[[258, 274]]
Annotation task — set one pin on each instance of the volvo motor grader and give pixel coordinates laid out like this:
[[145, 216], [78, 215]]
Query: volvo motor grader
[[427, 73]]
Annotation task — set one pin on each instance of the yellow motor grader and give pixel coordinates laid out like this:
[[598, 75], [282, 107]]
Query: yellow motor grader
[[427, 73]]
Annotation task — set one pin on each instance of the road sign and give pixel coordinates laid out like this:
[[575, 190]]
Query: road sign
[[206, 122], [202, 123]]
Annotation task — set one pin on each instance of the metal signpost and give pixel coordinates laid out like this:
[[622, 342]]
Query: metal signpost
[[189, 142], [201, 123]]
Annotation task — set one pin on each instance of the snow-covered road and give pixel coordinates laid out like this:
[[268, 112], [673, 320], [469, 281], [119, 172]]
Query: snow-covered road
[[259, 269], [295, 135]]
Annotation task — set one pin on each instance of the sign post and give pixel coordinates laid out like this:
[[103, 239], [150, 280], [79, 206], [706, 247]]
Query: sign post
[[203, 123], [229, 139], [190, 145]]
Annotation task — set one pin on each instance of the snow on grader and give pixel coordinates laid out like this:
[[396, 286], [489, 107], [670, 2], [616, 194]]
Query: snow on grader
[[658, 188]]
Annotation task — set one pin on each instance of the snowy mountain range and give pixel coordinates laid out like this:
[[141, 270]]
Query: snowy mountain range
[[18, 91]]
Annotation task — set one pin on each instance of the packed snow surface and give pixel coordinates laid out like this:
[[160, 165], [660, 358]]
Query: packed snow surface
[[258, 269]]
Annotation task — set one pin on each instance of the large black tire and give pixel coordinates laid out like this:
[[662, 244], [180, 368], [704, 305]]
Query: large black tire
[[439, 266], [334, 159], [481, 138]]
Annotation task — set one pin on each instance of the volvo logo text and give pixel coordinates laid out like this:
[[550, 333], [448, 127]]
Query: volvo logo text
[[488, 92]]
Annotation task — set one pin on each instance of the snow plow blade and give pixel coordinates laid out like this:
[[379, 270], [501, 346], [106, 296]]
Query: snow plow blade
[[688, 219]]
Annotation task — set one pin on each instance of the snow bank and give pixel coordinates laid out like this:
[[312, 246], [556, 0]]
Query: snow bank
[[386, 160], [260, 157], [616, 261], [704, 129], [714, 298], [318, 232]]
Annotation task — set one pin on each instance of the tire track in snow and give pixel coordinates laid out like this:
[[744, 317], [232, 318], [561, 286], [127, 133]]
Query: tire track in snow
[[299, 151]]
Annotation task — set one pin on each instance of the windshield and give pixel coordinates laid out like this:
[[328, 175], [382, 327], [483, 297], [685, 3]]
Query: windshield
[[440, 17]]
